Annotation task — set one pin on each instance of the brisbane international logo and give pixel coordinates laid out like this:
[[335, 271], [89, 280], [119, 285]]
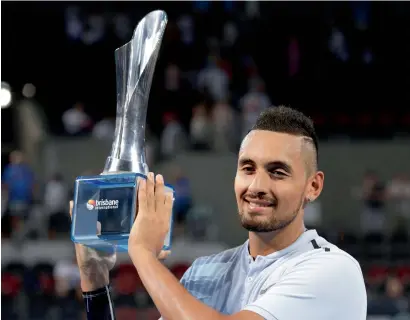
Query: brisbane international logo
[[102, 204], [91, 204]]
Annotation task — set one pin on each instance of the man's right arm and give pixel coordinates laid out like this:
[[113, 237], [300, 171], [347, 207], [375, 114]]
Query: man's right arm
[[94, 270], [96, 293]]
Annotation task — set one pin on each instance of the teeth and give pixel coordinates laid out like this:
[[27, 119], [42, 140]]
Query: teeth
[[254, 205]]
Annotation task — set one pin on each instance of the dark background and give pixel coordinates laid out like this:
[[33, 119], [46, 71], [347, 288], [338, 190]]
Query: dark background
[[38, 49]]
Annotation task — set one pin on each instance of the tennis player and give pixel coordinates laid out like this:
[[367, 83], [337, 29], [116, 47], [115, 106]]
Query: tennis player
[[282, 272]]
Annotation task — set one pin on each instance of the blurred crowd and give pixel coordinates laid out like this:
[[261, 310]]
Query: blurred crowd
[[208, 89]]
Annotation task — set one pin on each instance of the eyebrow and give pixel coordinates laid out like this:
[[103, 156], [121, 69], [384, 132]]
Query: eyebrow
[[273, 164]]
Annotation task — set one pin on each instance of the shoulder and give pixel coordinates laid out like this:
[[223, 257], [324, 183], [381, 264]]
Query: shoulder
[[328, 258], [329, 272], [332, 262], [323, 273], [314, 284]]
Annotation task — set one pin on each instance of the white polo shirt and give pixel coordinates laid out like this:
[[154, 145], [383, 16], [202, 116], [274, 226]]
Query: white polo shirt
[[310, 280]]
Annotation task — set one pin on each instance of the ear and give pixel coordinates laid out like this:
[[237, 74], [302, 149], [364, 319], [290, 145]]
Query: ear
[[315, 186]]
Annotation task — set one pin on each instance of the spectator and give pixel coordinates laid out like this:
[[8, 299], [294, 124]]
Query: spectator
[[173, 137], [373, 195], [337, 45], [186, 26], [214, 80], [68, 290], [393, 302], [252, 9], [253, 103], [200, 128], [399, 190], [76, 121], [18, 180], [230, 34], [55, 202], [172, 78], [105, 129], [223, 119], [67, 277]]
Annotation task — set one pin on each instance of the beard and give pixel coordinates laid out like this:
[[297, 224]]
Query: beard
[[269, 223]]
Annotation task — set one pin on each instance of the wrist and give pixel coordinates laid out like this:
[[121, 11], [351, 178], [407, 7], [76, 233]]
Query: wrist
[[140, 254], [93, 281]]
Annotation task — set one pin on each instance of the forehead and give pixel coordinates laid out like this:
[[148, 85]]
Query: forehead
[[267, 146]]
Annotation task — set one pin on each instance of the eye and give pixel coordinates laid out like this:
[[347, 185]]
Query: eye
[[278, 174], [248, 169]]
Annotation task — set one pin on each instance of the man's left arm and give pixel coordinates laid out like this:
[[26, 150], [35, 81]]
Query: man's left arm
[[172, 300], [146, 241]]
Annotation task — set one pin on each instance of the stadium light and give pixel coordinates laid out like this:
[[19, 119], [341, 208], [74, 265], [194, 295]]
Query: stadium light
[[5, 95]]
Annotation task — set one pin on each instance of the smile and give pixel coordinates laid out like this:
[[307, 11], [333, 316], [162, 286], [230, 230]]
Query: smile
[[258, 205]]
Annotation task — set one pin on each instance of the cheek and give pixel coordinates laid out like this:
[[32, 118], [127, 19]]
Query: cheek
[[240, 186], [289, 193]]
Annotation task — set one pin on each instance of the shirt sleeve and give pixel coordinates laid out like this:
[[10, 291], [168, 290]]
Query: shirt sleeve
[[99, 305], [329, 286]]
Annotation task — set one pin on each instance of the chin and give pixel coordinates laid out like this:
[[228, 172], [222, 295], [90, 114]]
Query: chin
[[257, 227], [257, 222]]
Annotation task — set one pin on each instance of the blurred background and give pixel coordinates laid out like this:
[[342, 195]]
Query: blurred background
[[345, 64]]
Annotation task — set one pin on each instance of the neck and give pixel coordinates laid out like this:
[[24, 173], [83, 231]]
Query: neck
[[265, 243]]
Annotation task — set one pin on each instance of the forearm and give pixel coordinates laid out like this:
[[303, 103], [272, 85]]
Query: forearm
[[95, 273], [93, 280], [96, 294], [172, 300]]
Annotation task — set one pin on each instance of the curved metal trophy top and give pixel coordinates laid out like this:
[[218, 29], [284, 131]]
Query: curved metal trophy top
[[135, 65]]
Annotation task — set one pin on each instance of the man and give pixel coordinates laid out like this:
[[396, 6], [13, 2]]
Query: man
[[19, 183], [282, 272]]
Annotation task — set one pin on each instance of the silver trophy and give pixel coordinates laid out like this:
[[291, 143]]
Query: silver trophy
[[109, 200], [135, 65]]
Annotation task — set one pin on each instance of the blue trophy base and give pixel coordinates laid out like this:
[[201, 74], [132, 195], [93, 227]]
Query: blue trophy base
[[104, 211]]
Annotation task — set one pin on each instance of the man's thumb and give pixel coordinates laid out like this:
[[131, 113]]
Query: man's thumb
[[164, 254]]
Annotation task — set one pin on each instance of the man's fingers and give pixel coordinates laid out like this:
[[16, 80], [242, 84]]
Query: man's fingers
[[71, 208], [164, 254], [142, 194], [151, 192], [169, 201], [159, 192]]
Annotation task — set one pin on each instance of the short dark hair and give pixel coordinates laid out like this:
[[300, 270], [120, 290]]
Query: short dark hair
[[287, 120]]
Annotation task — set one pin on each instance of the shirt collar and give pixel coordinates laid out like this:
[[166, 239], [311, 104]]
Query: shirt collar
[[304, 238]]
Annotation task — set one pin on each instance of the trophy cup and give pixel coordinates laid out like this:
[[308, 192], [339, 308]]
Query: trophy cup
[[105, 205]]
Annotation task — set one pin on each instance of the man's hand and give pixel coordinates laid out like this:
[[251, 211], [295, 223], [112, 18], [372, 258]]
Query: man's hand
[[94, 265], [152, 222]]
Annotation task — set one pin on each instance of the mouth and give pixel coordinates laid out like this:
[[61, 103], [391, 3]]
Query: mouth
[[258, 205]]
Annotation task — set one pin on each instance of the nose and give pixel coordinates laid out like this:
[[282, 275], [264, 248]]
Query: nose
[[260, 183]]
